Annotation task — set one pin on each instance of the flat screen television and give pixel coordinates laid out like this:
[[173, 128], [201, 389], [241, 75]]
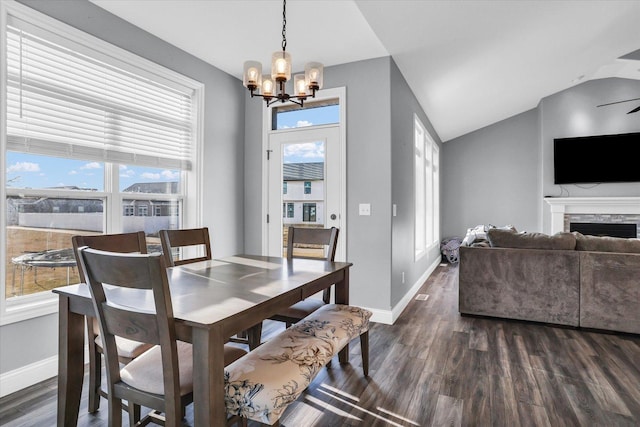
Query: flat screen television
[[597, 159]]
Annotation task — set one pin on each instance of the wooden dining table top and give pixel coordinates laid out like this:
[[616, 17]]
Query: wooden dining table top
[[207, 292]]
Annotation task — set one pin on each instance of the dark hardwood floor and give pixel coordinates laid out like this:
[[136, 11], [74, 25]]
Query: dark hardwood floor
[[436, 368]]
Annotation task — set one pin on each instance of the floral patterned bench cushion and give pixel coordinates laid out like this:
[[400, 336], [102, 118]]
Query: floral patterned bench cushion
[[260, 385]]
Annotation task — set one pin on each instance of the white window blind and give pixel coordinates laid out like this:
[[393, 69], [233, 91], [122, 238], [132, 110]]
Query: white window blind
[[64, 100]]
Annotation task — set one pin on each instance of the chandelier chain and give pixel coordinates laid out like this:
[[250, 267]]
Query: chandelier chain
[[284, 25]]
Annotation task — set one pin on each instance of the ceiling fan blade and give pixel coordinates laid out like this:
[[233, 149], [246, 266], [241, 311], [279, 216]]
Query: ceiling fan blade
[[635, 110], [618, 102]]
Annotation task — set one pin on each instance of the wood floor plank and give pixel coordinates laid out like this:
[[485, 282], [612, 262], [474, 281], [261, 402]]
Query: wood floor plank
[[434, 367]]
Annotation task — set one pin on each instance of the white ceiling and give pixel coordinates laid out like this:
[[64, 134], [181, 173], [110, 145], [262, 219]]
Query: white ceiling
[[469, 63]]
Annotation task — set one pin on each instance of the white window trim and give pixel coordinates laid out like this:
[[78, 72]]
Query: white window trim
[[45, 303], [430, 241]]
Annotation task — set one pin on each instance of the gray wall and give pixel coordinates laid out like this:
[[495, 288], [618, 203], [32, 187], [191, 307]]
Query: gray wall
[[223, 154], [490, 176], [368, 177], [380, 109], [403, 107], [500, 174], [573, 112]]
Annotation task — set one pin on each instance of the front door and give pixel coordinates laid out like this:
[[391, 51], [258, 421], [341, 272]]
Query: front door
[[304, 184]]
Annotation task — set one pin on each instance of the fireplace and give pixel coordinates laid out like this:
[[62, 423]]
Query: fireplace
[[618, 211], [605, 229]]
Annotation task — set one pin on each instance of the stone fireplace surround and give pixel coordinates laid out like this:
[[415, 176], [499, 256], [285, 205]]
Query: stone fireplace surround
[[611, 210]]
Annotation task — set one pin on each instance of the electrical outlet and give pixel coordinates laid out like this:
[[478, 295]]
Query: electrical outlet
[[364, 209]]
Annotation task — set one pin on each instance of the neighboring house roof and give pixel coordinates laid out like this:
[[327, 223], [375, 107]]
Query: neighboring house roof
[[153, 187], [303, 171]]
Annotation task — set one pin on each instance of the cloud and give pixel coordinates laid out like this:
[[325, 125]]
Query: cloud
[[126, 173], [308, 150], [149, 175], [303, 123], [73, 172], [92, 165], [24, 167], [169, 174]]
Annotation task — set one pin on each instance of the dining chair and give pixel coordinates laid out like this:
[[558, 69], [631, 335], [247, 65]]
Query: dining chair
[[162, 377], [177, 240], [127, 349], [310, 243]]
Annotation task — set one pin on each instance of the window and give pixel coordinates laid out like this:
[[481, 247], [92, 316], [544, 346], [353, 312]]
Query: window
[[307, 187], [289, 210], [309, 212], [284, 187], [427, 193], [293, 116], [78, 141]]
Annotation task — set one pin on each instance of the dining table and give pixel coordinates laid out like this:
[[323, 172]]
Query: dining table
[[212, 301]]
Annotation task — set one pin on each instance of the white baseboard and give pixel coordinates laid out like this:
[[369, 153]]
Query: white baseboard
[[388, 317], [26, 376]]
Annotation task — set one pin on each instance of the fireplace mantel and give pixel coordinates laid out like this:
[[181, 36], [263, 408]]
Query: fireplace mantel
[[589, 205]]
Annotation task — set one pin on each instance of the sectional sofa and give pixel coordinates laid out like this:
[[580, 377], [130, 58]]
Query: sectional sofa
[[566, 279]]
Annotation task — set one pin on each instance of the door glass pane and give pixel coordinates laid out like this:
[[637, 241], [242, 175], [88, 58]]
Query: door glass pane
[[303, 171], [39, 230]]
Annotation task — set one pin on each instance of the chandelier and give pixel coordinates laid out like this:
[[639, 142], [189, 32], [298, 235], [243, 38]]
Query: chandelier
[[272, 88]]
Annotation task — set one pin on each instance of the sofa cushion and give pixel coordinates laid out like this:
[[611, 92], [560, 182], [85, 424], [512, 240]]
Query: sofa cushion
[[606, 244], [509, 239]]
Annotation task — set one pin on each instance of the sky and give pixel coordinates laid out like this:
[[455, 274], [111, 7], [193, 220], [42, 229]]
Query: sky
[[26, 170], [310, 151]]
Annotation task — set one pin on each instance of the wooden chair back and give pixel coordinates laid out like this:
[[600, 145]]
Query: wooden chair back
[[135, 242], [175, 239], [145, 272], [325, 237]]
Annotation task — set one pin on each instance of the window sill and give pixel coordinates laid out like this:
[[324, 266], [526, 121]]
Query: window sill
[[29, 307]]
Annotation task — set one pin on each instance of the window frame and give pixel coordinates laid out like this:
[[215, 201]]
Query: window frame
[[426, 158], [189, 197]]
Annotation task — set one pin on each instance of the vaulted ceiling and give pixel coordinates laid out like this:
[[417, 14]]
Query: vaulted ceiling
[[469, 63]]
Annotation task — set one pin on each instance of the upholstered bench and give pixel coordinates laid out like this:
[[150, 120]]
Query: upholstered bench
[[261, 384]]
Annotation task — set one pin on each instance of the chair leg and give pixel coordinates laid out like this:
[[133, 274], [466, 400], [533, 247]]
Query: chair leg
[[134, 413], [255, 336], [95, 370], [115, 412], [364, 349]]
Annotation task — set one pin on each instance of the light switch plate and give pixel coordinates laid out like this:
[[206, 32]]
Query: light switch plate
[[364, 209]]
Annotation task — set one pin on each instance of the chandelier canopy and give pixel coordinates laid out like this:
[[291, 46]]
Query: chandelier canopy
[[272, 88]]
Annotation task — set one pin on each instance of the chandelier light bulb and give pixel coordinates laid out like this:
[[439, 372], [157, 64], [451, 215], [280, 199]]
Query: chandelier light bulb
[[299, 85], [281, 66], [267, 86], [252, 75]]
